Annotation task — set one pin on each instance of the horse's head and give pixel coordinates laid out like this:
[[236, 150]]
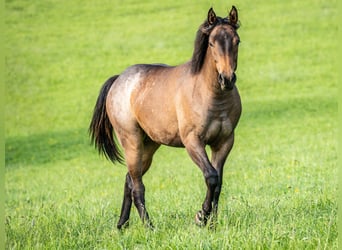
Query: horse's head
[[223, 45]]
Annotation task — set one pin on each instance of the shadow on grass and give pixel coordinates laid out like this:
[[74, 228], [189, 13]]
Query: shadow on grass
[[47, 147], [66, 145]]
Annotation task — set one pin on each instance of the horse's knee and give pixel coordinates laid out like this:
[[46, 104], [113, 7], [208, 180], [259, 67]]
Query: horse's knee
[[212, 181]]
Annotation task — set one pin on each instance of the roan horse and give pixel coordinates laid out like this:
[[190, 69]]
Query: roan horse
[[191, 105]]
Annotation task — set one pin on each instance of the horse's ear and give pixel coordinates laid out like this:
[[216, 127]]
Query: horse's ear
[[211, 16], [233, 17]]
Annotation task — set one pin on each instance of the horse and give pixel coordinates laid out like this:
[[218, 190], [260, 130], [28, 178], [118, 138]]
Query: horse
[[190, 105]]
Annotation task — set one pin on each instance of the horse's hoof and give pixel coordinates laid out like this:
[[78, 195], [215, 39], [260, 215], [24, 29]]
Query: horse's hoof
[[149, 226], [213, 225], [122, 226], [200, 219]]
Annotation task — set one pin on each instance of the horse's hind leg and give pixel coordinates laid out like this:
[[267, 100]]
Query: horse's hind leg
[[134, 188], [126, 204]]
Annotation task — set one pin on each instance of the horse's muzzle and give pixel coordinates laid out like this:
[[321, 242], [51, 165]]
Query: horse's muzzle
[[226, 83]]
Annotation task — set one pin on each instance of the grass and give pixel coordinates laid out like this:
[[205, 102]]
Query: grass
[[280, 182]]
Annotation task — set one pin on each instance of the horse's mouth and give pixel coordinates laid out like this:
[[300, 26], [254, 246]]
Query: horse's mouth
[[225, 83]]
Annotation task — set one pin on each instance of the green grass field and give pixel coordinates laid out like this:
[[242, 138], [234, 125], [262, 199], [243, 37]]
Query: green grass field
[[280, 182]]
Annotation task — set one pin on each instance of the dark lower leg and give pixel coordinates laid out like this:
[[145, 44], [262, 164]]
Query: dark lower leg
[[216, 198], [213, 220], [126, 204], [207, 206], [139, 202]]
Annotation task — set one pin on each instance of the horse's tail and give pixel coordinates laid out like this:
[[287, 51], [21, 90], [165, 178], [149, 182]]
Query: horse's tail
[[101, 130]]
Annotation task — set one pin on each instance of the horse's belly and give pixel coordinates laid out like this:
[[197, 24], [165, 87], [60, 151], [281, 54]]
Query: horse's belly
[[163, 133], [155, 110]]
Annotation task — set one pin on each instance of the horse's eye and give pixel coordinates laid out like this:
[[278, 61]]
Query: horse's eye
[[211, 44]]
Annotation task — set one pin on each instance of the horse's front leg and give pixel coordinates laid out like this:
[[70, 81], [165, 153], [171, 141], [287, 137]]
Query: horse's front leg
[[219, 153], [197, 152]]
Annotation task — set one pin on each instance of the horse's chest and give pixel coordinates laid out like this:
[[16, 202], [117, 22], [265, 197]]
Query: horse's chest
[[218, 128]]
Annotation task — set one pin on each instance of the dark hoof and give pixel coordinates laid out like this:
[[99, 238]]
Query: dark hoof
[[149, 226], [200, 219], [122, 226], [213, 224]]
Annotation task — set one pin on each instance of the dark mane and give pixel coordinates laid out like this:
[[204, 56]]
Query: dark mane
[[201, 44], [200, 50]]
